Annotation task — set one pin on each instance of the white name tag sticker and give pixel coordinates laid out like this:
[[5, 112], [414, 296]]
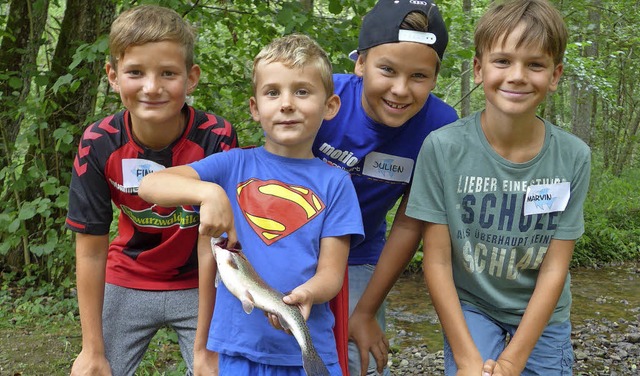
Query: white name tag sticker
[[546, 198], [133, 170], [388, 167]]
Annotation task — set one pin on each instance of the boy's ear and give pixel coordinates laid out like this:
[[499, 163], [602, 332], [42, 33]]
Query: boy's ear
[[555, 79], [253, 107], [477, 70], [332, 107], [193, 78], [112, 76], [359, 68]]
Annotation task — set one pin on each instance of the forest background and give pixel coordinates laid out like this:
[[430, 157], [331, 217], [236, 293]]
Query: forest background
[[52, 85]]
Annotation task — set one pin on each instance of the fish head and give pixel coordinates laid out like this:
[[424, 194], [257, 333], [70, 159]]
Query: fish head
[[220, 244]]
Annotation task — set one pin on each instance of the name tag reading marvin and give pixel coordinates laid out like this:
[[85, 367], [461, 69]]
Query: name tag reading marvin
[[133, 170], [546, 198]]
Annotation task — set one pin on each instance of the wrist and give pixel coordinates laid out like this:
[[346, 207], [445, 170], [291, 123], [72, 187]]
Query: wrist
[[469, 360], [364, 313], [513, 360]]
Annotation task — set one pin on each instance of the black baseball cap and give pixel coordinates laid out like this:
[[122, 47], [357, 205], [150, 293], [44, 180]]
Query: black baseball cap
[[382, 25]]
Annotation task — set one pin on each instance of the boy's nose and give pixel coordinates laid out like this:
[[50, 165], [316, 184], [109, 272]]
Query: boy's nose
[[152, 85], [517, 73], [287, 104], [400, 86]]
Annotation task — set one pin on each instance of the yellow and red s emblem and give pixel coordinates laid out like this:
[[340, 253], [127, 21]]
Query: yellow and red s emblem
[[275, 209]]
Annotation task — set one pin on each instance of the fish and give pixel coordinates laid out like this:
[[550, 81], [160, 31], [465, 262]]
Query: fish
[[241, 279]]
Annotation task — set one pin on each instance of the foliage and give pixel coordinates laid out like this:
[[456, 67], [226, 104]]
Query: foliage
[[33, 197], [612, 219]]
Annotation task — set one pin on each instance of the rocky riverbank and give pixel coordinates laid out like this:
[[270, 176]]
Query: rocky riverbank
[[601, 347]]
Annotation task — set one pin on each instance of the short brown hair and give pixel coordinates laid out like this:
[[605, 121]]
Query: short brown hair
[[296, 51], [148, 24], [543, 26]]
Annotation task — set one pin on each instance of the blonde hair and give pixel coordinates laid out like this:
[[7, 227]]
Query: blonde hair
[[543, 26], [148, 24], [296, 51]]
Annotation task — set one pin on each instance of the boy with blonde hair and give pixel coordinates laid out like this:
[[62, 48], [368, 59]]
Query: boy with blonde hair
[[501, 193], [124, 285], [293, 214]]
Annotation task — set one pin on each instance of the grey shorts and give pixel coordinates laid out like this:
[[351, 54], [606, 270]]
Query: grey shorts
[[130, 319]]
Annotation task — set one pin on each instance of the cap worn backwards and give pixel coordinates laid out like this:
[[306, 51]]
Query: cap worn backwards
[[382, 25]]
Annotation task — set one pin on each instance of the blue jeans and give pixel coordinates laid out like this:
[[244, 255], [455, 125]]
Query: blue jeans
[[552, 355], [359, 276]]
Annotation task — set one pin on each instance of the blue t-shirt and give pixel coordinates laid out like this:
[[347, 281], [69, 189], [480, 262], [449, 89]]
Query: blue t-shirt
[[379, 158], [282, 208]]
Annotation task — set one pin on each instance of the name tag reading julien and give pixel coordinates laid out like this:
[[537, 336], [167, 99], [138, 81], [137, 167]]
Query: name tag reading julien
[[546, 198], [133, 170], [388, 167]]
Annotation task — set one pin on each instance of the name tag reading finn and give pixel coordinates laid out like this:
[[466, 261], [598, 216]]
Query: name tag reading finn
[[546, 198]]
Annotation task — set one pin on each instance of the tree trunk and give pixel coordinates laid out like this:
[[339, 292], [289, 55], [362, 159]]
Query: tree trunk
[[18, 53], [582, 97], [465, 65], [83, 23], [307, 5]]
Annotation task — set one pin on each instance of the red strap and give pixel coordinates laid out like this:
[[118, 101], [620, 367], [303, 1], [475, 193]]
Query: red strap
[[340, 308]]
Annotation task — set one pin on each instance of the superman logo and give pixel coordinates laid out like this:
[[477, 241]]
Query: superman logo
[[275, 209]]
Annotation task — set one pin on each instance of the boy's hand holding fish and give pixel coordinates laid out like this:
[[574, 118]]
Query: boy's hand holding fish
[[299, 297], [241, 279]]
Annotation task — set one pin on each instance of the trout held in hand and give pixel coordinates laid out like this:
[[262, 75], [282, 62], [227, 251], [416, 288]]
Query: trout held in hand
[[244, 283]]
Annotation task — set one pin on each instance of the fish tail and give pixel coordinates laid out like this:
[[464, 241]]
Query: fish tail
[[313, 364]]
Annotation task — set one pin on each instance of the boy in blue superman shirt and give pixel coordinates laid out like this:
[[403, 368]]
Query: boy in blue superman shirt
[[294, 214]]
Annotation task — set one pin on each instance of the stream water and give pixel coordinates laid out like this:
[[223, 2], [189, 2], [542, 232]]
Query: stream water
[[611, 293]]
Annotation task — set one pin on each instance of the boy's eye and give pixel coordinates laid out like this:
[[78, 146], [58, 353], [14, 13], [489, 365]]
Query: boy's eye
[[386, 69], [302, 92], [134, 72], [271, 93], [501, 62], [419, 76], [168, 74], [536, 66]]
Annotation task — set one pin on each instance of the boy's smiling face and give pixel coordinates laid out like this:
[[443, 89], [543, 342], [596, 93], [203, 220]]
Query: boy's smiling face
[[290, 104], [153, 82], [397, 80], [516, 79]]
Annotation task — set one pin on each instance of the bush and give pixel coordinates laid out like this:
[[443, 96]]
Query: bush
[[612, 219]]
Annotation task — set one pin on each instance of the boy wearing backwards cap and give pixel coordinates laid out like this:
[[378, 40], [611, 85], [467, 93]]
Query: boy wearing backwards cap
[[387, 111]]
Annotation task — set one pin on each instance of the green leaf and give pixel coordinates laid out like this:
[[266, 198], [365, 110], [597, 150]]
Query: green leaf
[[62, 81], [14, 226], [15, 83], [27, 211], [335, 6]]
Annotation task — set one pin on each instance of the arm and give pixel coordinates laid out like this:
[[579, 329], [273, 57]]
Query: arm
[[327, 281], [438, 276], [398, 251], [181, 185], [549, 284], [91, 261], [205, 362]]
